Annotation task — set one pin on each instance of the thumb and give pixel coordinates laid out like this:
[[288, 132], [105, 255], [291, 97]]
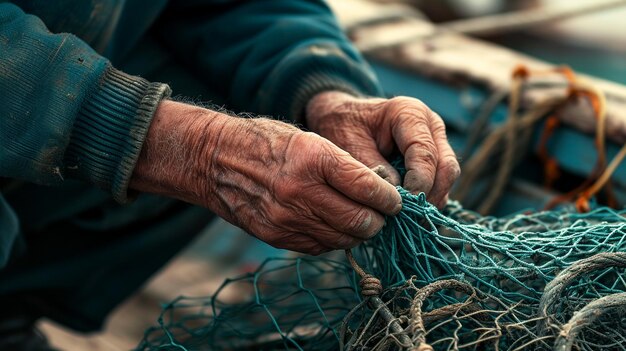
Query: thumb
[[368, 154], [387, 172]]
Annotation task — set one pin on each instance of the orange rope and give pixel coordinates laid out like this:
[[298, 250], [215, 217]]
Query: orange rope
[[598, 103], [577, 88], [582, 203], [550, 164]]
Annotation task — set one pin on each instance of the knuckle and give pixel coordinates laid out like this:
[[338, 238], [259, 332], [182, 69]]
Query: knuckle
[[451, 167], [415, 130], [406, 101], [326, 157], [359, 221], [411, 107], [347, 172], [309, 142], [315, 159], [438, 126], [367, 184], [426, 155], [437, 120]]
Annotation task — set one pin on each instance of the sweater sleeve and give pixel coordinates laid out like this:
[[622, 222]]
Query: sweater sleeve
[[267, 57], [65, 112]]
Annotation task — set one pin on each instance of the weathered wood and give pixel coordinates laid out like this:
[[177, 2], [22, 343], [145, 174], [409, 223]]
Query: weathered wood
[[518, 20], [455, 58]]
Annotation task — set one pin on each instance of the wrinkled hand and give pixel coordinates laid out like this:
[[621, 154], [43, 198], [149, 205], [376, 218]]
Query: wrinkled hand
[[292, 189], [370, 130]]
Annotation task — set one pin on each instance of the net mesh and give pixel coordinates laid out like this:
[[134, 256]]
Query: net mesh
[[453, 280]]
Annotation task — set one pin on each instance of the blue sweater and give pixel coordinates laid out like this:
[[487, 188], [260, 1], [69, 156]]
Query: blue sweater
[[67, 114]]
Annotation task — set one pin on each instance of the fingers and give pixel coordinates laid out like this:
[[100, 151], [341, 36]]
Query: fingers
[[387, 172], [372, 158], [326, 195], [415, 141], [331, 239], [366, 151], [345, 216], [303, 243], [448, 169], [295, 226], [431, 164], [359, 183]]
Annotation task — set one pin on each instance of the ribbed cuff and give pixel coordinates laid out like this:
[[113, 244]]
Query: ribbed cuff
[[110, 129], [315, 83], [312, 70]]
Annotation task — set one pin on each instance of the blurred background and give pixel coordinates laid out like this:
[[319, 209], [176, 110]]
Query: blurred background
[[401, 39], [459, 57], [593, 43]]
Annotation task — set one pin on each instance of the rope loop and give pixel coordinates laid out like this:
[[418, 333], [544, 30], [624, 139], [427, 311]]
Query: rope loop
[[370, 286]]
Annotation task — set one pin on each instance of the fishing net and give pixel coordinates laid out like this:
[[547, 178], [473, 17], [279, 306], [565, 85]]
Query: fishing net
[[452, 280]]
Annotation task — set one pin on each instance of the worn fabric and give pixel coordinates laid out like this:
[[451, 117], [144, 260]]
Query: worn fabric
[[74, 112]]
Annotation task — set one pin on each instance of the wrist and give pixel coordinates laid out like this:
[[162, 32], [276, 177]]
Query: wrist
[[323, 104], [175, 156]]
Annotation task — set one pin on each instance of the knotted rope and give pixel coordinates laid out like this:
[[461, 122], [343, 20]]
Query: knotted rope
[[507, 142], [452, 280]]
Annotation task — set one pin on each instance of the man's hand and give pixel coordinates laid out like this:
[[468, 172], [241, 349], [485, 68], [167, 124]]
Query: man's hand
[[370, 130], [291, 189]]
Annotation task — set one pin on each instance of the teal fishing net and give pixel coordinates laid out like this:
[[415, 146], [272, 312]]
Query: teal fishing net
[[431, 280]]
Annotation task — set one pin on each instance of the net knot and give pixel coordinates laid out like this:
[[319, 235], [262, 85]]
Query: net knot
[[370, 286]]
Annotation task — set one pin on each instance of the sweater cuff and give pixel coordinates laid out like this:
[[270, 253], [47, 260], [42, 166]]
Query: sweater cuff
[[110, 129], [311, 70]]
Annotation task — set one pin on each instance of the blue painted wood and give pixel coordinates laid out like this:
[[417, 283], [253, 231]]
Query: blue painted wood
[[458, 106]]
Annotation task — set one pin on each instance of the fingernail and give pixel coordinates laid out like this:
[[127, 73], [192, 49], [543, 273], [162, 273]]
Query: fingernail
[[397, 209]]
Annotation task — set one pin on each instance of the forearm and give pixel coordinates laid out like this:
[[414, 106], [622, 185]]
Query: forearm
[[190, 151], [289, 188], [169, 163]]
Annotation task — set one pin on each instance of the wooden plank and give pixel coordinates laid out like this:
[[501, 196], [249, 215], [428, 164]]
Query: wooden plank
[[455, 58]]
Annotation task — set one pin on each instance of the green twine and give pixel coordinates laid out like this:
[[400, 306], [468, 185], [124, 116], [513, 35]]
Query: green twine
[[314, 303], [513, 256]]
